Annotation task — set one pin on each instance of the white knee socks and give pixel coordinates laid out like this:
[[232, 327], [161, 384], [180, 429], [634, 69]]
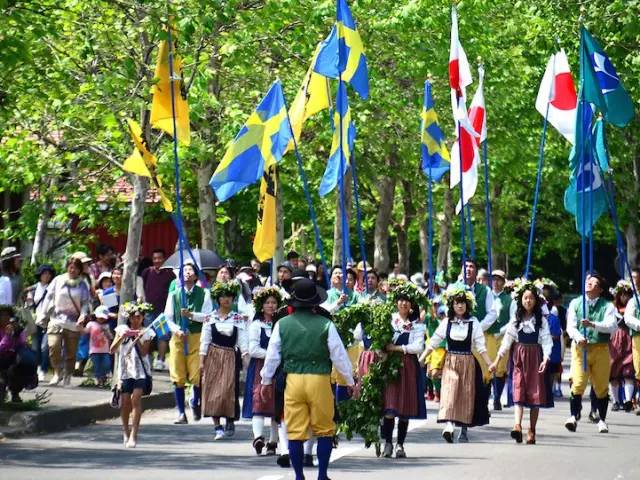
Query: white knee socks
[[629, 388], [284, 439], [308, 445], [273, 434], [257, 424]]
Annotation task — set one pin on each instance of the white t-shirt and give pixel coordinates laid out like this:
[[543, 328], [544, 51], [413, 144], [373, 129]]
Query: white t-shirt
[[130, 364], [6, 296]]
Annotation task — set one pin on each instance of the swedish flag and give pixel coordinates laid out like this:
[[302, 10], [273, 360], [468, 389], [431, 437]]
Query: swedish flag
[[342, 53], [341, 118], [435, 156], [260, 144], [161, 326]]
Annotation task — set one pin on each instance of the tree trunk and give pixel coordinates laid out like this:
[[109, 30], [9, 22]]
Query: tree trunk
[[39, 248], [337, 229], [444, 240], [134, 236], [402, 232], [206, 207], [631, 236], [386, 188]]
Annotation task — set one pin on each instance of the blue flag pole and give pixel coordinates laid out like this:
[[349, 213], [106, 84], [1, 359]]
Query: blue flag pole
[[472, 243], [582, 159], [343, 214], [430, 230], [487, 201], [356, 197]]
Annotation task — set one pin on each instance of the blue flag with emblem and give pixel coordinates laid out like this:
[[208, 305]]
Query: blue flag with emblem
[[342, 53], [161, 326], [601, 83], [435, 156], [341, 118], [260, 144]]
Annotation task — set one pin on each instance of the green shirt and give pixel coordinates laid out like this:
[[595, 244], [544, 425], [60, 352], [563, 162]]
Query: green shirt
[[303, 343]]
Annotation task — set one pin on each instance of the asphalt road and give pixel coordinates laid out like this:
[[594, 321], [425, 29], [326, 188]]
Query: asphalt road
[[188, 452]]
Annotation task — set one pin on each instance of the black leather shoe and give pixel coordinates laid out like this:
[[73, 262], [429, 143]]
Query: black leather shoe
[[308, 460], [284, 461]]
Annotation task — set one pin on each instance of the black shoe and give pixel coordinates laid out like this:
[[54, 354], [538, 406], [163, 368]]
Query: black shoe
[[308, 460], [594, 417], [628, 406], [283, 460], [258, 445], [615, 407], [497, 406], [197, 412], [15, 398], [181, 420], [230, 428], [271, 449]]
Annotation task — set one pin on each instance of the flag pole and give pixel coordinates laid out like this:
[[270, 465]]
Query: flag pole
[[463, 241], [472, 245], [430, 230], [356, 197], [487, 199], [583, 257]]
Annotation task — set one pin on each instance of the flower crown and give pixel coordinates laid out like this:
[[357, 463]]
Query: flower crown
[[402, 288], [621, 286], [522, 284], [455, 291], [540, 283], [261, 294], [131, 308], [225, 289]]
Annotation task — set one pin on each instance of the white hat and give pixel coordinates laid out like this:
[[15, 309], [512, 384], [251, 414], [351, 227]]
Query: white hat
[[102, 276], [9, 252], [101, 312], [499, 273], [311, 268]]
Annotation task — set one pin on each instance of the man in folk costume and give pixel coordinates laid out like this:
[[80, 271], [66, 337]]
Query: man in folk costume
[[484, 309], [493, 335], [632, 320], [307, 344], [590, 332], [186, 325]]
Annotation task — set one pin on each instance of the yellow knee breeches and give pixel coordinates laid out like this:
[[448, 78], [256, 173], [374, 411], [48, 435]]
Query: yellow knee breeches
[[183, 368], [308, 403], [597, 369]]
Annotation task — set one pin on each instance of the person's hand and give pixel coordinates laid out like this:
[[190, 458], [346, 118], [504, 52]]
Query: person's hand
[[390, 347], [543, 366], [582, 343], [132, 333], [184, 312], [9, 329], [586, 323], [179, 334], [265, 393], [350, 390], [492, 367], [343, 298]]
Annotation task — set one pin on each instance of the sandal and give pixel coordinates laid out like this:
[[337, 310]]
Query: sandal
[[531, 437]]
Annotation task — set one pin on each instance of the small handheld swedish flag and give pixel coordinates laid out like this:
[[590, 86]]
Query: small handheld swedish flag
[[161, 326], [260, 144]]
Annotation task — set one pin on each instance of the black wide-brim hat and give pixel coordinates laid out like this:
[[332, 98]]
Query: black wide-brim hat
[[307, 294]]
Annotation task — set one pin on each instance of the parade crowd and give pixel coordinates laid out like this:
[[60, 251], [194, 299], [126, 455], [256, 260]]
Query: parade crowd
[[214, 330]]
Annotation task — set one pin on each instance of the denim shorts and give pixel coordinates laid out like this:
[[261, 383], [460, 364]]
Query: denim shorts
[[130, 384]]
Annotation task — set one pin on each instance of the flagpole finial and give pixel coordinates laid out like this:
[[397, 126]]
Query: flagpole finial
[[479, 60], [581, 18], [430, 77]]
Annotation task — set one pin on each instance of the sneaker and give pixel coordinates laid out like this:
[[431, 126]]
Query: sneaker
[[55, 380], [41, 375], [197, 412], [447, 433], [158, 365], [181, 420], [308, 460], [271, 449], [230, 428], [615, 407], [388, 450], [594, 417], [15, 398], [283, 460], [603, 427], [462, 436], [219, 433], [571, 424], [400, 453], [67, 381], [131, 443], [497, 406], [627, 406], [258, 445]]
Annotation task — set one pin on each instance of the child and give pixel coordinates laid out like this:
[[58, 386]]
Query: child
[[132, 343], [99, 338]]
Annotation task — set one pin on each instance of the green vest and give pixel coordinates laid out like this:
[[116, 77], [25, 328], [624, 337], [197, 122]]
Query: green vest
[[505, 299], [303, 343], [481, 292], [195, 300], [596, 315]]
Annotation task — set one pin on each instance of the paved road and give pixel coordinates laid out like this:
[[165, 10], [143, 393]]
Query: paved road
[[188, 452]]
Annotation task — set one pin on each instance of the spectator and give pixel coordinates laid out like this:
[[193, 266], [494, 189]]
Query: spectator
[[312, 272], [100, 337], [35, 301], [67, 303], [373, 292], [395, 273], [293, 259], [11, 263], [483, 277], [255, 264], [17, 362], [156, 290], [6, 295], [302, 263], [321, 281], [106, 261], [284, 278]]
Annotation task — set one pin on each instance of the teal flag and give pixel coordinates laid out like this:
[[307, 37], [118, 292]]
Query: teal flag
[[602, 86], [600, 145]]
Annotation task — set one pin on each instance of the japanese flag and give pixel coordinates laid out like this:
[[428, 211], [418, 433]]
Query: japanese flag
[[459, 71], [558, 94]]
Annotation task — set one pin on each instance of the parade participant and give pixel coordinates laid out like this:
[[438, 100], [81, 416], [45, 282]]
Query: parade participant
[[463, 397], [621, 351], [337, 296], [404, 398], [307, 344], [186, 326], [132, 343], [483, 277], [632, 320], [483, 310], [66, 304], [293, 258], [17, 361], [494, 334], [222, 346], [435, 360], [591, 334], [266, 302], [284, 270], [373, 293], [35, 300], [528, 332]]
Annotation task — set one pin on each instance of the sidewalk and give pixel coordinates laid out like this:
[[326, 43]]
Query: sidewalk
[[74, 406]]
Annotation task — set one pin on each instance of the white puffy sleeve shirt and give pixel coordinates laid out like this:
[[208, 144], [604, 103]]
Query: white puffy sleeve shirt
[[459, 332], [255, 331], [416, 334], [527, 326]]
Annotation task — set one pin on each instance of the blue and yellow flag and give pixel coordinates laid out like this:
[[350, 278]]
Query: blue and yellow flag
[[341, 121], [161, 326], [260, 144], [342, 53], [435, 156]]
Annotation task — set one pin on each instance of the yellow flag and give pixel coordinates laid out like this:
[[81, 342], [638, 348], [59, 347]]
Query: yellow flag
[[161, 112], [143, 163], [312, 97], [264, 243]]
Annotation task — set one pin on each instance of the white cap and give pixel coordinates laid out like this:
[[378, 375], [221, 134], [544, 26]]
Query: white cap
[[101, 312]]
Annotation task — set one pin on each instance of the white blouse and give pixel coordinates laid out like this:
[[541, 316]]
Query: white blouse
[[527, 326], [459, 332], [129, 362], [255, 331], [224, 325], [416, 334]]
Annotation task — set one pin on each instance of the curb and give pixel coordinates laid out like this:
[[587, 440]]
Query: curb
[[58, 419]]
